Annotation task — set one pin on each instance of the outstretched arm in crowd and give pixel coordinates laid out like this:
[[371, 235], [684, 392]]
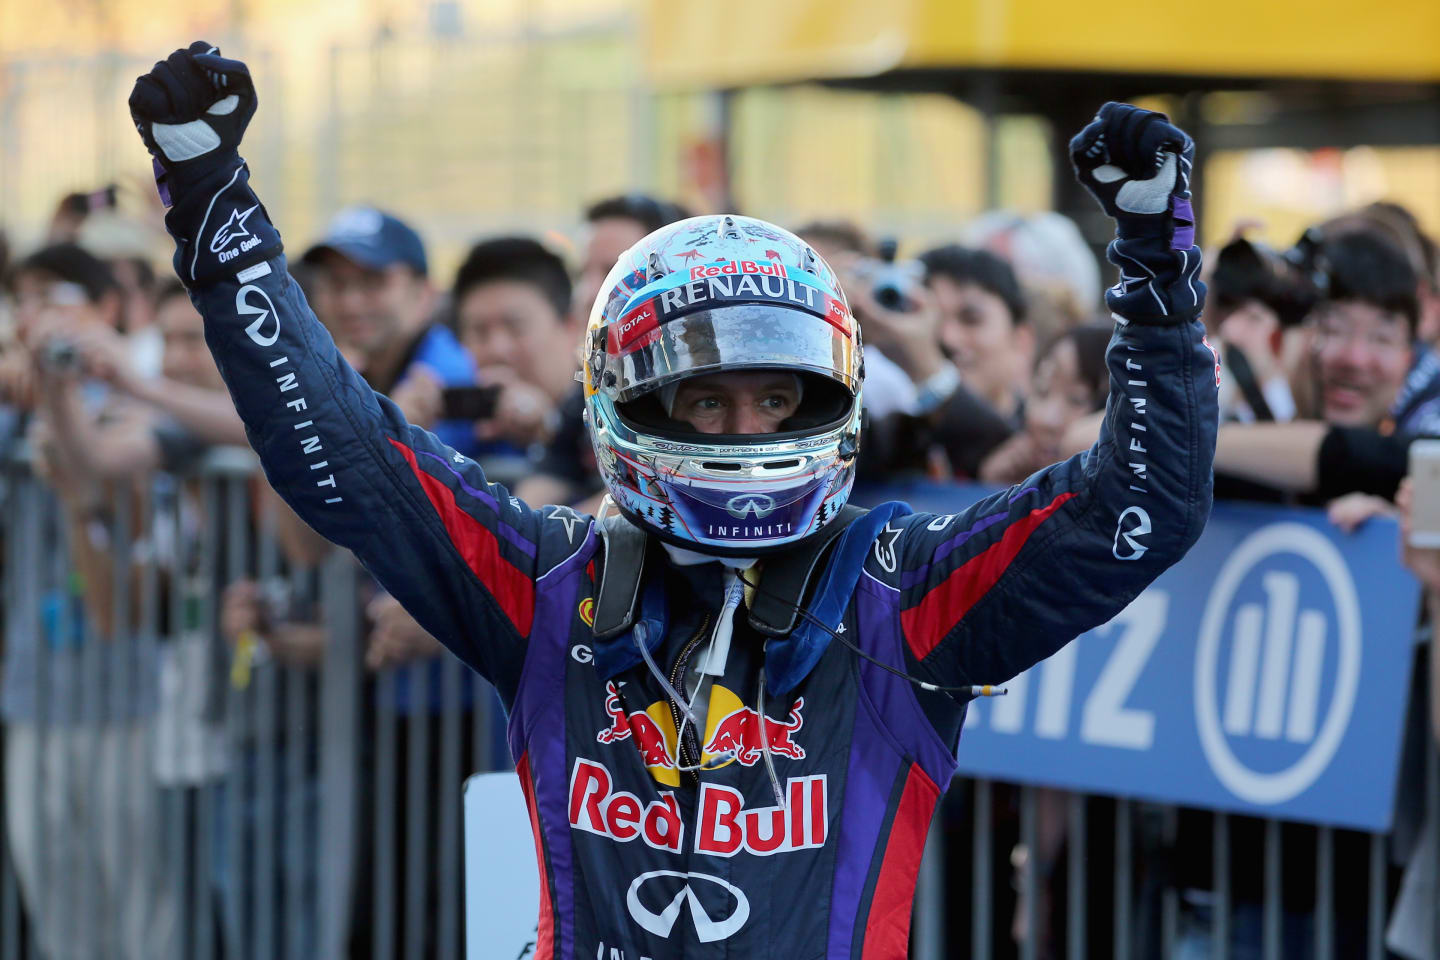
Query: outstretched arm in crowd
[[1298, 456], [459, 552]]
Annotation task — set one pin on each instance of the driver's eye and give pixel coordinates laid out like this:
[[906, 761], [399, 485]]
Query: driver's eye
[[707, 403]]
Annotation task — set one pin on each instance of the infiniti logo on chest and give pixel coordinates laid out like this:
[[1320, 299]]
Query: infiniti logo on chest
[[712, 920]]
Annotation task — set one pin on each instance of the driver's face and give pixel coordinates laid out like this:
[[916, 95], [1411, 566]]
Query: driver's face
[[742, 402]]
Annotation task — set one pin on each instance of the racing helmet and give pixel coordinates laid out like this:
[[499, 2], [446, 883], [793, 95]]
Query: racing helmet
[[716, 294]]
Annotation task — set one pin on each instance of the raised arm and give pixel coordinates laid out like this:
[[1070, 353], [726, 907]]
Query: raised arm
[[988, 592], [458, 552]]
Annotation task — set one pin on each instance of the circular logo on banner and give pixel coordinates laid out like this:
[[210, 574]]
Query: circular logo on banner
[[1277, 655]]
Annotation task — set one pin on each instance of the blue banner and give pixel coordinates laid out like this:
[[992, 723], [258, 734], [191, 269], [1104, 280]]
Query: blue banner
[[1266, 673]]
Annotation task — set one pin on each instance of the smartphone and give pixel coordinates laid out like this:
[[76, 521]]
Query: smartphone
[[468, 403], [1425, 493]]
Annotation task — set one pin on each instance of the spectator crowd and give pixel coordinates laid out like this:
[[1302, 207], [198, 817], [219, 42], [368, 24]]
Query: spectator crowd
[[984, 362]]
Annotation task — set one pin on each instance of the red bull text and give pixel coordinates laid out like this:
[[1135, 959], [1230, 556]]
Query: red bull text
[[725, 827]]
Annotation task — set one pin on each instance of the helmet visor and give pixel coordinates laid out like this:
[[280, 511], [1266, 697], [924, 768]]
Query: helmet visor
[[737, 337]]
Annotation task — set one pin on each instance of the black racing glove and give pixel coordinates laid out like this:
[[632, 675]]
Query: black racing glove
[[1137, 164], [191, 110]]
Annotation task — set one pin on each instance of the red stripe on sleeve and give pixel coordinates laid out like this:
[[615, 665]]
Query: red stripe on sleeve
[[887, 929], [545, 931], [511, 588], [927, 623]]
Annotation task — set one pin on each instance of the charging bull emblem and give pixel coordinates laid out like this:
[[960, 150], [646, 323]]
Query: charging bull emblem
[[652, 732], [739, 730]]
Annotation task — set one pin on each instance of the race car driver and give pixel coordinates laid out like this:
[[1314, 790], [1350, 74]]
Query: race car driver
[[734, 704]]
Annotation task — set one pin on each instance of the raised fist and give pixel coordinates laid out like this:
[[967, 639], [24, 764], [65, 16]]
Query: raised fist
[[1137, 164], [191, 110]]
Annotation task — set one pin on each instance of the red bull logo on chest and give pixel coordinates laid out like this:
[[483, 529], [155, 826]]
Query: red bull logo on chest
[[731, 728], [740, 731]]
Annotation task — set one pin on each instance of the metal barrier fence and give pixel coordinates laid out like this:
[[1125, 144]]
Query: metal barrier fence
[[169, 795]]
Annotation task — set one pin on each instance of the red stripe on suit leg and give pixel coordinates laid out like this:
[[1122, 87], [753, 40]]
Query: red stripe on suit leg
[[887, 930], [545, 935]]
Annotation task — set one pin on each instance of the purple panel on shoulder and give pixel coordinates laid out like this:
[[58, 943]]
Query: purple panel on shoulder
[[877, 612], [874, 764], [537, 723]]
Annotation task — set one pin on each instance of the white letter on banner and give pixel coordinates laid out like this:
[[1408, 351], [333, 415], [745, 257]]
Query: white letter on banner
[[1057, 688], [1105, 720]]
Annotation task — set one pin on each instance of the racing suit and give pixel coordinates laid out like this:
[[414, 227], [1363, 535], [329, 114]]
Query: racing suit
[[639, 859]]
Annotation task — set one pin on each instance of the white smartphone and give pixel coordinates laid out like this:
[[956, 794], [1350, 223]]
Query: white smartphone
[[1425, 493]]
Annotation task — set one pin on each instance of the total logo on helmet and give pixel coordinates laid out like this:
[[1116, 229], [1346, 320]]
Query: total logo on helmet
[[731, 729]]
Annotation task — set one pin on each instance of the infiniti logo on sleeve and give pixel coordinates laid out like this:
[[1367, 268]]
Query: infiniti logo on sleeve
[[263, 312], [1133, 524], [709, 926]]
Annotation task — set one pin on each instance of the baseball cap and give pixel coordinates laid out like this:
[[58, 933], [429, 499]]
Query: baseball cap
[[371, 238]]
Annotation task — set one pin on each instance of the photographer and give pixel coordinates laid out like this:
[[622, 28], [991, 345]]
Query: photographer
[[958, 342], [1377, 386], [512, 316], [1258, 301]]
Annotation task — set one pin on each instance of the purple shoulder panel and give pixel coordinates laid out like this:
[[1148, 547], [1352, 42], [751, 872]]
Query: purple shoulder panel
[[537, 722], [877, 614]]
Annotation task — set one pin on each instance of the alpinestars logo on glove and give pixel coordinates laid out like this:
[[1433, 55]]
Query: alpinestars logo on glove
[[232, 230]]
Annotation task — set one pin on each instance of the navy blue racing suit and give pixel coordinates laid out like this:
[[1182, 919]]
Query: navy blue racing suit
[[639, 859]]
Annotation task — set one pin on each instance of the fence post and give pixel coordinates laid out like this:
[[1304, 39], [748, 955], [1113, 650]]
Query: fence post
[[339, 751]]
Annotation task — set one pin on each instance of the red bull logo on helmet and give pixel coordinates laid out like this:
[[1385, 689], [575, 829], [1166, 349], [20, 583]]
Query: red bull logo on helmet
[[730, 268]]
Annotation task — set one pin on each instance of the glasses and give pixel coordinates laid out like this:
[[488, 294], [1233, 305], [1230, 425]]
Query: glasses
[[55, 295], [1335, 328]]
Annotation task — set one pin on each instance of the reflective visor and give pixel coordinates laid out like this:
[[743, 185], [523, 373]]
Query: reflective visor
[[686, 327]]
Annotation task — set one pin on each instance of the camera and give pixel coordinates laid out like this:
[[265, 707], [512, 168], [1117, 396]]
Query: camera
[[893, 284], [1245, 271], [60, 356]]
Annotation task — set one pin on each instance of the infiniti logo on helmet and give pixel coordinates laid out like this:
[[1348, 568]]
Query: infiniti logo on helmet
[[708, 928], [756, 505]]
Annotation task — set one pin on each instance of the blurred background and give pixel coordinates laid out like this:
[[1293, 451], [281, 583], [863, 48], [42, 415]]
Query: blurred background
[[914, 115], [221, 739]]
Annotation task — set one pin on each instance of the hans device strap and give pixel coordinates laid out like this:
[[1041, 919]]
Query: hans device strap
[[774, 612], [786, 577], [624, 568]]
